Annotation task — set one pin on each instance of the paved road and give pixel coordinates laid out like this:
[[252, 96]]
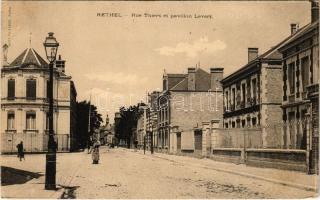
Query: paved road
[[123, 173]]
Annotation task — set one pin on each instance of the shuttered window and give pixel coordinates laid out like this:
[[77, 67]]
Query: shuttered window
[[31, 89], [11, 89]]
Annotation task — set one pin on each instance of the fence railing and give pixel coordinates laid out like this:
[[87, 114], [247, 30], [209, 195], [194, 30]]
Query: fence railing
[[278, 135]]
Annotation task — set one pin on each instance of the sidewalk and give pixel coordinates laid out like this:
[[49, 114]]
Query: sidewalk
[[27, 186], [284, 177]]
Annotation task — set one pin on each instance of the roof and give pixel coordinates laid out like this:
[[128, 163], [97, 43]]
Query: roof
[[174, 79], [29, 57], [202, 78], [306, 29], [272, 54]]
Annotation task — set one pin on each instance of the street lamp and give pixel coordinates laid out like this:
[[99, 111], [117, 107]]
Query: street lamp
[[51, 47]]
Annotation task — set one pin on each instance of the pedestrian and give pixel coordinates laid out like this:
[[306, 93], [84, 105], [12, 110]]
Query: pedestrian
[[95, 153], [135, 145], [89, 146], [20, 151]]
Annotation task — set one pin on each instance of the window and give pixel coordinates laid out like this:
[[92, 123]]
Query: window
[[31, 89], [31, 121], [233, 97], [226, 125], [243, 94], [243, 123], [291, 78], [11, 89], [254, 88], [227, 100], [248, 121], [10, 122], [254, 121], [305, 72]]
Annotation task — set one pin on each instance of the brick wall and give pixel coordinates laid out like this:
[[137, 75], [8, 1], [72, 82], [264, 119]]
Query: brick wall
[[271, 98], [189, 109]]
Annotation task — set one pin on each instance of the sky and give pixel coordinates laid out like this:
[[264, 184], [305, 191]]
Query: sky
[[119, 59]]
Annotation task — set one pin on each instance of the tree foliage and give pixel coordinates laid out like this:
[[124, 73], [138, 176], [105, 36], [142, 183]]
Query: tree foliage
[[83, 121], [127, 122]]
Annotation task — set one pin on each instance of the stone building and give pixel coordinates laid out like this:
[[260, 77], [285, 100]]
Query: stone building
[[185, 102], [25, 105], [301, 88], [252, 94], [152, 119], [142, 125]]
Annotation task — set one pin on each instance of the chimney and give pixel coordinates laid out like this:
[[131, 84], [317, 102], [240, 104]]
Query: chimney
[[60, 64], [294, 28], [191, 78], [216, 74], [314, 10], [252, 54]]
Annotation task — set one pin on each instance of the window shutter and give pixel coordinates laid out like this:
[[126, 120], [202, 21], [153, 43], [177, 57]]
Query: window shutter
[[31, 89], [11, 89]]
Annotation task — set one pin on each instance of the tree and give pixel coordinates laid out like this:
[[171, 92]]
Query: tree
[[83, 121], [128, 121]]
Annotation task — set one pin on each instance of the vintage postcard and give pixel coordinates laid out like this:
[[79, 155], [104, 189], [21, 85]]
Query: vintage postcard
[[159, 99]]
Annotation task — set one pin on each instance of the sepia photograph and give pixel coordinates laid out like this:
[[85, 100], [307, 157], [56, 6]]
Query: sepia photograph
[[159, 99]]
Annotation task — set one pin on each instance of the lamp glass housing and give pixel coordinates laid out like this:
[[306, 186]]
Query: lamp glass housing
[[51, 47]]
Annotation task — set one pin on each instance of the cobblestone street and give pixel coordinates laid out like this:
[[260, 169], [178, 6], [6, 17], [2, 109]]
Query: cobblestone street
[[123, 173]]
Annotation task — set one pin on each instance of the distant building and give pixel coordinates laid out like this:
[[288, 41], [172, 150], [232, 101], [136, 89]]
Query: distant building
[[106, 133], [25, 105], [152, 119], [185, 102], [301, 88], [142, 125]]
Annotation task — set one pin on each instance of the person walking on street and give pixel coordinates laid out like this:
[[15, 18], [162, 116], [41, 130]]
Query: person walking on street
[[95, 152], [20, 151]]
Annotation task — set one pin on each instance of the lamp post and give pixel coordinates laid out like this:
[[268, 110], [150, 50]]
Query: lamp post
[[51, 47]]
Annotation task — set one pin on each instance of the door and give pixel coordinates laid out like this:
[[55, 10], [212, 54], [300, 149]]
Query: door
[[178, 142], [198, 140]]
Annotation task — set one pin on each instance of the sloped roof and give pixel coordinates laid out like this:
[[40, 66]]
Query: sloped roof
[[306, 29], [174, 79], [29, 57], [202, 78], [272, 54]]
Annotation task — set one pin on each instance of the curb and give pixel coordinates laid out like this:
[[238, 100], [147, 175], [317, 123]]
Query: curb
[[285, 183]]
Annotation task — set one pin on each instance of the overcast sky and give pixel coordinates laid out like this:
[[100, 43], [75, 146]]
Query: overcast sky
[[119, 59]]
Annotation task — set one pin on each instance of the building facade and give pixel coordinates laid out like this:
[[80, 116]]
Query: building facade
[[142, 125], [152, 116], [252, 95], [185, 102], [25, 105], [301, 88]]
